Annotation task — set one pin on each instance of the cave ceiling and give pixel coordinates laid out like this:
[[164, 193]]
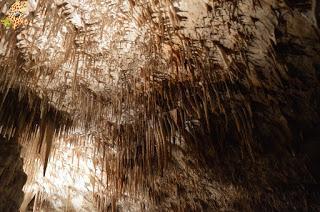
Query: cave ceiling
[[132, 80]]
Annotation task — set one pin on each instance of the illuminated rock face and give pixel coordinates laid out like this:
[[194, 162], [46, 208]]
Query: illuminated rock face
[[69, 181], [75, 179], [200, 106]]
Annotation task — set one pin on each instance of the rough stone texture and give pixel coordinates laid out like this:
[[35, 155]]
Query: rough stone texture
[[201, 106], [12, 176], [232, 182]]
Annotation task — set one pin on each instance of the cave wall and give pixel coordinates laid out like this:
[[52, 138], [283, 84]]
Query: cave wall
[[20, 119], [299, 50], [12, 176], [237, 132], [284, 174]]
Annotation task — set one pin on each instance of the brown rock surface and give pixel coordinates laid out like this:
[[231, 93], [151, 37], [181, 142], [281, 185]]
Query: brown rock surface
[[173, 105]]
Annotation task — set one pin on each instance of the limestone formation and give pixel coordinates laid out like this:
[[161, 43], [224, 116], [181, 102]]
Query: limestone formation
[[162, 105]]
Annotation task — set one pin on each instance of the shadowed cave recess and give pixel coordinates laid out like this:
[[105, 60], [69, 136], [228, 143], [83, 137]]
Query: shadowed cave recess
[[159, 105]]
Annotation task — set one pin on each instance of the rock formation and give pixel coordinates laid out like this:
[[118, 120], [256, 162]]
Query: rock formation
[[162, 105]]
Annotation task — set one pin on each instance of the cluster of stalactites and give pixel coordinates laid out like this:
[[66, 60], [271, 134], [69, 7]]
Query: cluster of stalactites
[[183, 86]]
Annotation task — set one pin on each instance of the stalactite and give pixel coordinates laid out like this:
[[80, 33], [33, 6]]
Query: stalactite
[[184, 87]]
